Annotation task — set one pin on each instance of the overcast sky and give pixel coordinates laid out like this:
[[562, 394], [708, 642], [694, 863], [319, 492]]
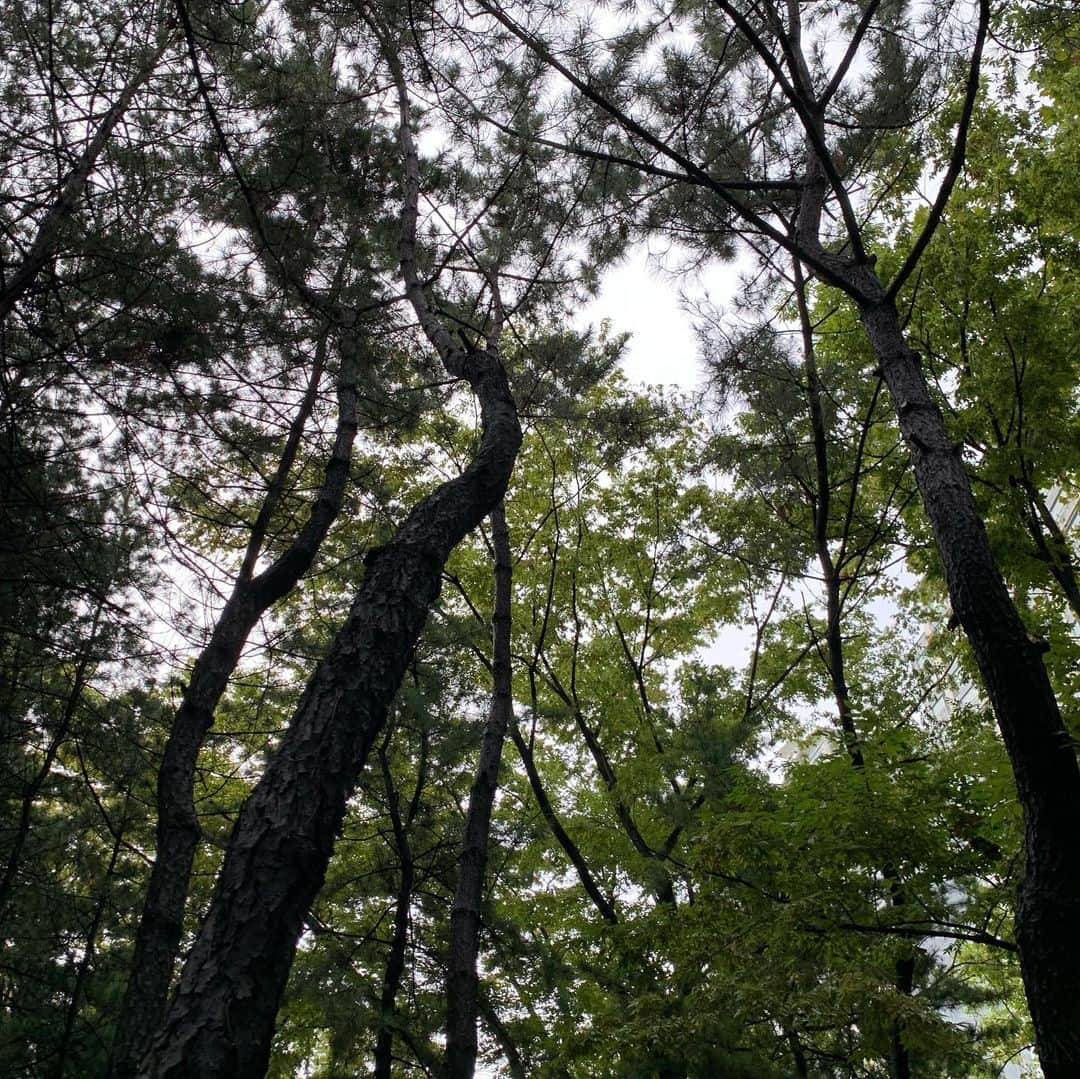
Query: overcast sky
[[641, 297]]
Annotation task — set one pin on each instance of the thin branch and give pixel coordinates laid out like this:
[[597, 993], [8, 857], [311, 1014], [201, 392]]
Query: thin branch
[[956, 163]]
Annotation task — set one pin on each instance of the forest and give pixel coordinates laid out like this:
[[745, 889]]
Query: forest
[[390, 685]]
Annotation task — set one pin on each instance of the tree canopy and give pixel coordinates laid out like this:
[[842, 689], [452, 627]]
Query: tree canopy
[[389, 686]]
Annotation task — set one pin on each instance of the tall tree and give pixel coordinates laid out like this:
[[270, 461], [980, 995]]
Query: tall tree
[[787, 158], [465, 916], [279, 850]]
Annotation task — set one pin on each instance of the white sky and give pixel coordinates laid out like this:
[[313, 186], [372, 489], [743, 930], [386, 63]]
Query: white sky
[[641, 296]]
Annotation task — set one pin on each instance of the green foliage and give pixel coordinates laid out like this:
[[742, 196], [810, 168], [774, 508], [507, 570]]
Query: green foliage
[[773, 845]]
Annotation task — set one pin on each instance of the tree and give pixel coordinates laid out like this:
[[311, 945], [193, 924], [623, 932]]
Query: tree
[[787, 164], [277, 858], [242, 501]]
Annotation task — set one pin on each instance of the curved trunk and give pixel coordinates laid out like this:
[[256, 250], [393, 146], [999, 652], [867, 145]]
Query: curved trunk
[[221, 1021], [1041, 752]]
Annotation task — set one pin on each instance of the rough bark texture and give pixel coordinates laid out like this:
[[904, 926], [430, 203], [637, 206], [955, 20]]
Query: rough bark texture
[[158, 937], [461, 979], [221, 1021], [1043, 756]]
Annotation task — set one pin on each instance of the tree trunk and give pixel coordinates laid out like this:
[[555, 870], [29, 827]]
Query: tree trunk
[[899, 1056], [797, 1053], [221, 1021], [395, 959], [1042, 754], [904, 968], [158, 937], [461, 979]]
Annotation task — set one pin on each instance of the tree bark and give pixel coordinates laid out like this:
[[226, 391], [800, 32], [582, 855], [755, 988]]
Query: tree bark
[[158, 936], [1040, 749], [221, 1021], [461, 979]]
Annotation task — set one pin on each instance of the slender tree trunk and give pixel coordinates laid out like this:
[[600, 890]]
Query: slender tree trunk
[[662, 888], [822, 509], [904, 968], [798, 1054], [158, 937], [221, 1021], [514, 1063], [461, 979], [1042, 754], [395, 960], [899, 1055]]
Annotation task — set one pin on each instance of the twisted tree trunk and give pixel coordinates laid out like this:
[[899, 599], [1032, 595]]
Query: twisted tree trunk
[[221, 1021]]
